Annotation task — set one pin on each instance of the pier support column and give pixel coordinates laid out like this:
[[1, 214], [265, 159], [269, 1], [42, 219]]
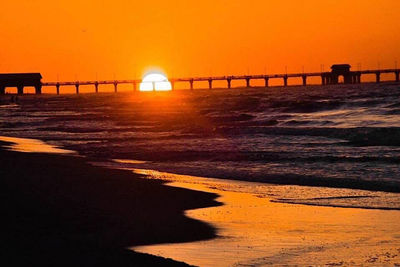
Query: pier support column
[[77, 88], [229, 83], [134, 86], [266, 80], [96, 87], [397, 76], [58, 88], [210, 84], [334, 79], [191, 84], [172, 85], [378, 77], [20, 89], [2, 90], [154, 86], [285, 80], [304, 77], [323, 81], [38, 89], [248, 82], [115, 87], [347, 79], [359, 78]]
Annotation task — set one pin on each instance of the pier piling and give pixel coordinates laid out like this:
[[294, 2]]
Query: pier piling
[[191, 84], [285, 78], [248, 82], [38, 89], [20, 89], [229, 82], [304, 77], [266, 80], [378, 77]]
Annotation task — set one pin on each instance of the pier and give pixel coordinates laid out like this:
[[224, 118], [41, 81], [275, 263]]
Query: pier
[[327, 78]]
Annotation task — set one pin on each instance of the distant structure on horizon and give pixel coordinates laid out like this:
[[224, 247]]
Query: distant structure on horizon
[[20, 80], [342, 70]]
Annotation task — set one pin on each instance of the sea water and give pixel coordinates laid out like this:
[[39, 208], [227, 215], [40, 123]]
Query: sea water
[[344, 136]]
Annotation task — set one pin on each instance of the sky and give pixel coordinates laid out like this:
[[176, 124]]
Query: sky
[[122, 39]]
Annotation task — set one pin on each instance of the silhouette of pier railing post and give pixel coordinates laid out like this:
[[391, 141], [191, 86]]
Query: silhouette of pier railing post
[[210, 83]]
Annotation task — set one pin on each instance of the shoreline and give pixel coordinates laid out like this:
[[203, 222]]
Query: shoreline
[[255, 231], [60, 210]]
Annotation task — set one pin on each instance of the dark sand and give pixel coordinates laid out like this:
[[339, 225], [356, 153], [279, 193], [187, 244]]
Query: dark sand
[[60, 210]]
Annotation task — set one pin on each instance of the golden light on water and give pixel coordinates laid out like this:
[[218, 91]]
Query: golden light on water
[[155, 82]]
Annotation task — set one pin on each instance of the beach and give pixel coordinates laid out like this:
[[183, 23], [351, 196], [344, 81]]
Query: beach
[[58, 210], [255, 231]]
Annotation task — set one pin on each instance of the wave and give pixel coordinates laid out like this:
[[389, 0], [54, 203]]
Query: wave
[[229, 172], [382, 206], [359, 136], [305, 106]]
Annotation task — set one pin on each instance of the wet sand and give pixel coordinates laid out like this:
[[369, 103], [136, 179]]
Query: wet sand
[[59, 210], [254, 231]]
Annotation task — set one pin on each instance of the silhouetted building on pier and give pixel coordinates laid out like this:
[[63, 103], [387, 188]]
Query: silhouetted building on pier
[[341, 70], [20, 80]]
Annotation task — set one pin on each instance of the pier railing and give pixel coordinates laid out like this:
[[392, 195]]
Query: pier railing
[[327, 78]]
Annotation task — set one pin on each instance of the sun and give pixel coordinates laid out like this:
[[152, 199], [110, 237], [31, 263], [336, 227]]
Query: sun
[[155, 82]]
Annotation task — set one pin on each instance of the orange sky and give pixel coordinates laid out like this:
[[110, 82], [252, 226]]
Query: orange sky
[[121, 39]]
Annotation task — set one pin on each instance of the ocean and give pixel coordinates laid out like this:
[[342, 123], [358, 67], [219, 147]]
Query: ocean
[[344, 138]]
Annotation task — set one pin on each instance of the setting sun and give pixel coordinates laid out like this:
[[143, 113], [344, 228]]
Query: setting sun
[[155, 82]]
